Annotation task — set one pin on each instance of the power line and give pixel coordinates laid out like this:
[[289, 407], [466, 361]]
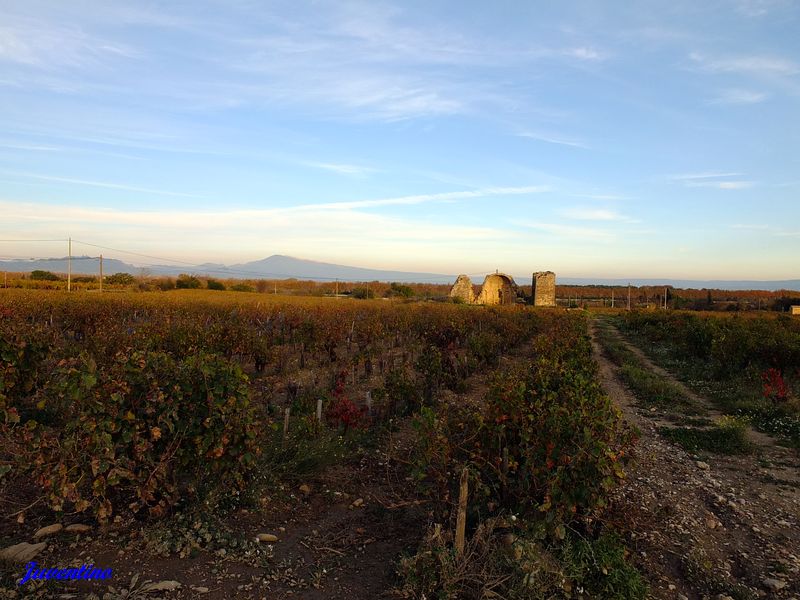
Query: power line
[[134, 253], [17, 241]]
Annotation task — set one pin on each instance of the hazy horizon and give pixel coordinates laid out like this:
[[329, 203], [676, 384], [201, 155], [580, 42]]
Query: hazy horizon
[[656, 140]]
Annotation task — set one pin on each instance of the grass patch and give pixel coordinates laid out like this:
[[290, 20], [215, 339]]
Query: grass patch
[[600, 567], [729, 436], [521, 569], [653, 390], [684, 421], [740, 395], [649, 388]]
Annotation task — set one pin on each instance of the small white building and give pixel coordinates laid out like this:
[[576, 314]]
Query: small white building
[[795, 310]]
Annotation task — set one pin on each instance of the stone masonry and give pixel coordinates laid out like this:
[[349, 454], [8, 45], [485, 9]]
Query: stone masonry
[[544, 288], [462, 288], [498, 288]]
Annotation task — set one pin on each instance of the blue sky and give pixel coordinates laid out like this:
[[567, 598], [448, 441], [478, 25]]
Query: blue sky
[[600, 139]]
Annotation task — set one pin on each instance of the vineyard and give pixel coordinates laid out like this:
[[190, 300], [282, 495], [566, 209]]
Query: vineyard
[[448, 451], [131, 410]]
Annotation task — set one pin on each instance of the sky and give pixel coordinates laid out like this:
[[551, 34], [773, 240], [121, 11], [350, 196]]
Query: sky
[[594, 139]]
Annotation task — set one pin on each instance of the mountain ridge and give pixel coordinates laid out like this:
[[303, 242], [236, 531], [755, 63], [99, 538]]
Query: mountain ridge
[[279, 266]]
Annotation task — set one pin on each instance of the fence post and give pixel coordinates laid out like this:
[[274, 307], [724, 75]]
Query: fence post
[[461, 519], [286, 413]]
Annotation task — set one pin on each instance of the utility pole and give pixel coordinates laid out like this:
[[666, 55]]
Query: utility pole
[[337, 289], [101, 273], [665, 298], [612, 297], [69, 267], [629, 296]]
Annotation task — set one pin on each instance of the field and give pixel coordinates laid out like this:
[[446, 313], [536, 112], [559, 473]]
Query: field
[[230, 444]]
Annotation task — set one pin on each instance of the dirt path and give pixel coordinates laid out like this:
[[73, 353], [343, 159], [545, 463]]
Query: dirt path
[[723, 526]]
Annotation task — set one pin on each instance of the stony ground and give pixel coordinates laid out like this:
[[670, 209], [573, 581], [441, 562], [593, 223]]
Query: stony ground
[[710, 526]]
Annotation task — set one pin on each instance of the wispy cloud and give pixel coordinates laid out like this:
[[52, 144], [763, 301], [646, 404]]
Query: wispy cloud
[[710, 179], [739, 96], [602, 196], [101, 184], [342, 168], [596, 214], [423, 198], [703, 175], [36, 43], [722, 185], [757, 8], [754, 64], [585, 53], [550, 139], [569, 231]]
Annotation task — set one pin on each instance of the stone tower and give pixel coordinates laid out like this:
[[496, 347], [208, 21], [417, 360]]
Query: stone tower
[[544, 288]]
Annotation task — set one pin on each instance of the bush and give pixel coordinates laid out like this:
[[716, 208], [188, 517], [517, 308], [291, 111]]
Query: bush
[[142, 432], [120, 279], [213, 284], [396, 289], [547, 442], [363, 293], [44, 276], [242, 287], [166, 284], [188, 282]]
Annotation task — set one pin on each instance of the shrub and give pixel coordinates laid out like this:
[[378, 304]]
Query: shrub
[[242, 287], [142, 431], [774, 386], [396, 289], [166, 284], [213, 284], [188, 282], [363, 293], [120, 279], [546, 443], [44, 276]]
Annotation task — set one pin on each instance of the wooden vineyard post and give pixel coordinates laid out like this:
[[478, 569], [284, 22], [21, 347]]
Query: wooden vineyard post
[[369, 403], [286, 413], [504, 489], [461, 519], [319, 410]]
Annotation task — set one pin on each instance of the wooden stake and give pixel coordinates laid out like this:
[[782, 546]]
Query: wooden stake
[[286, 413], [505, 472], [319, 410], [461, 519]]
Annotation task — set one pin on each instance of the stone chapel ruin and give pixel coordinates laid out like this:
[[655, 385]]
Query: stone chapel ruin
[[499, 289]]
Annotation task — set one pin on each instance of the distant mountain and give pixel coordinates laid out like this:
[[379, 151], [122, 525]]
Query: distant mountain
[[274, 267], [81, 265], [282, 267], [286, 267]]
